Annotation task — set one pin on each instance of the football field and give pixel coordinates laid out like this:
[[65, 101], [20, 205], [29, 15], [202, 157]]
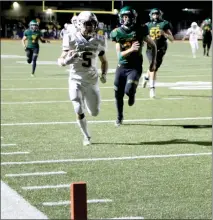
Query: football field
[[156, 166]]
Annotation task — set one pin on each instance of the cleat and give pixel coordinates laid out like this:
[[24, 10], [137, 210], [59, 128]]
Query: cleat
[[86, 141], [131, 100], [118, 122], [32, 75], [145, 79], [152, 93]]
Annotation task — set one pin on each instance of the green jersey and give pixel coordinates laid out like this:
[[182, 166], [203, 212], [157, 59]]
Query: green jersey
[[125, 39], [155, 29], [32, 38], [207, 28]]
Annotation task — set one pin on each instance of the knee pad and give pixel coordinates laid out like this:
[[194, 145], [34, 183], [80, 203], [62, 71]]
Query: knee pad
[[131, 87]]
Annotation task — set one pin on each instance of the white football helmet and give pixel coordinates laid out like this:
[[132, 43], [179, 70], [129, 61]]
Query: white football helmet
[[74, 20], [87, 22], [194, 25], [65, 25]]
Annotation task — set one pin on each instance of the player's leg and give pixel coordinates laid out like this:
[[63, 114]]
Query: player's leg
[[92, 99], [76, 96], [133, 78], [193, 47], [29, 54], [119, 86], [204, 46], [145, 77], [34, 59], [208, 46]]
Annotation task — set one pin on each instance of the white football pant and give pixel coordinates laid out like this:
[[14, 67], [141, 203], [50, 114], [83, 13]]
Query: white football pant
[[194, 46], [82, 94]]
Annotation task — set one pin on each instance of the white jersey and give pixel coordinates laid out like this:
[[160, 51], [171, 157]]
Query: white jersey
[[193, 33], [71, 28], [84, 67]]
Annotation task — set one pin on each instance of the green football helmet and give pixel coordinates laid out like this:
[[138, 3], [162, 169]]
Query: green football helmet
[[156, 11], [33, 25], [208, 21], [131, 13]]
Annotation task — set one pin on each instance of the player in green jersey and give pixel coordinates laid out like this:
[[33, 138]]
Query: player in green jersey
[[32, 35], [206, 27], [159, 31], [129, 41]]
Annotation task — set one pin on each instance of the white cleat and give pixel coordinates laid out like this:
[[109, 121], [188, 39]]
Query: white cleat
[[32, 75], [152, 93], [145, 80], [86, 141]]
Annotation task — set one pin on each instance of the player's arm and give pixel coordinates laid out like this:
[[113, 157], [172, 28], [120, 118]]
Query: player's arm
[[24, 41], [168, 34], [152, 45], [135, 47], [104, 66], [43, 40]]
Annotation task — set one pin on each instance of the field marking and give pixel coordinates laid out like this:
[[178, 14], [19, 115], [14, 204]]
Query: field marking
[[35, 174], [7, 145], [106, 121], [14, 206], [46, 187], [105, 159], [14, 153], [69, 202], [66, 78], [68, 101]]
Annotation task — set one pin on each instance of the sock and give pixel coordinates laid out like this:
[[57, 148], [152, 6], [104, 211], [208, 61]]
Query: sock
[[82, 123], [119, 102], [204, 51], [33, 67], [152, 83]]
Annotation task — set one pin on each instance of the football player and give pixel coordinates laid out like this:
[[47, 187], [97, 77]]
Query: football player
[[32, 35], [207, 35], [193, 32], [73, 27], [129, 41], [159, 31], [80, 50]]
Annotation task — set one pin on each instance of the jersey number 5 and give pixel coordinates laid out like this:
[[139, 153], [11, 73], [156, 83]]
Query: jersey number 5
[[87, 58]]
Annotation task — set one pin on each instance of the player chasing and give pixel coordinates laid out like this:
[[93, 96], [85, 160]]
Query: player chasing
[[193, 32], [129, 41], [80, 51], [32, 35], [207, 35], [159, 31]]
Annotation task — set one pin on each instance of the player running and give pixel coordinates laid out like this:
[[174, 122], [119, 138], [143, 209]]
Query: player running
[[80, 51], [159, 31], [193, 32], [129, 41], [32, 35], [207, 35]]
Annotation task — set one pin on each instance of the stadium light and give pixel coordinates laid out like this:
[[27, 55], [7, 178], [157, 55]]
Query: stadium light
[[16, 5], [185, 9], [49, 11]]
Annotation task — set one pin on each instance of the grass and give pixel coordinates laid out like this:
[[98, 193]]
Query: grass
[[155, 188]]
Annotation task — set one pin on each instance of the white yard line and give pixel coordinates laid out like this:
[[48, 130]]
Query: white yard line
[[35, 174], [13, 206], [69, 202], [46, 187], [68, 101], [106, 121], [13, 153], [7, 145], [105, 159]]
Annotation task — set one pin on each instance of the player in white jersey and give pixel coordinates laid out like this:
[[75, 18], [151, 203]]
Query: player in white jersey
[[73, 27], [193, 32], [80, 51]]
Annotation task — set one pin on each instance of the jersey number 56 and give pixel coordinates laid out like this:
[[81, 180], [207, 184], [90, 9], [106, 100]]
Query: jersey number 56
[[87, 58]]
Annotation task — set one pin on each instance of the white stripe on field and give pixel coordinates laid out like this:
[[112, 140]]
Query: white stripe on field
[[36, 174], [106, 121], [7, 145], [68, 101], [13, 206], [105, 159], [46, 187], [13, 153], [69, 202]]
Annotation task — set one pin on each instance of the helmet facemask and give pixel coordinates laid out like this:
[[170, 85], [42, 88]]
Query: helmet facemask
[[156, 15], [128, 20], [89, 27], [34, 27]]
